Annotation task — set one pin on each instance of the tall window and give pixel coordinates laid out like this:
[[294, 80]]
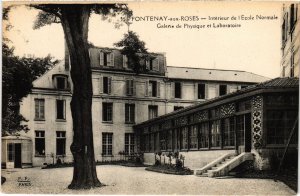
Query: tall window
[[292, 71], [129, 143], [194, 137], [177, 90], [222, 90], [201, 91], [293, 16], [39, 109], [129, 87], [203, 135], [107, 112], [152, 110], [215, 134], [229, 132], [240, 130], [39, 143], [184, 138], [169, 139], [129, 113], [107, 143], [60, 143], [163, 138], [60, 109], [153, 88], [107, 85]]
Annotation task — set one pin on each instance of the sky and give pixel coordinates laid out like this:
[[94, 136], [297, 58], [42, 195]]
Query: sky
[[254, 46]]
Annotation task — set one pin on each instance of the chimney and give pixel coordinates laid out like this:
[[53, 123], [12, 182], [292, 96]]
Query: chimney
[[67, 58]]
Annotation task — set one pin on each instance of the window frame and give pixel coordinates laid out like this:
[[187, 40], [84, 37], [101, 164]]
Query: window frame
[[129, 143], [129, 113], [63, 110], [39, 136], [107, 112], [61, 137], [39, 109], [107, 144]]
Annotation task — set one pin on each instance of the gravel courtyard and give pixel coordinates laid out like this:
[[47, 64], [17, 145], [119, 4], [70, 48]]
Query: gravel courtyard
[[129, 180]]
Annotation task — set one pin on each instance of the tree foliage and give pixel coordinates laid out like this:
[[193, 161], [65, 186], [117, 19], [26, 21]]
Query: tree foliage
[[134, 49], [18, 73]]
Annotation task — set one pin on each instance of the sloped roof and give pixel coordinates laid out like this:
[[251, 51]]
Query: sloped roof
[[280, 82], [276, 83], [213, 74]]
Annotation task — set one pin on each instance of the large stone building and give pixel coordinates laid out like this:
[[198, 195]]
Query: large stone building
[[121, 98], [290, 40]]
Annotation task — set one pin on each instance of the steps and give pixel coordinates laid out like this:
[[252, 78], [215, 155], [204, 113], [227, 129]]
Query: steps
[[223, 165]]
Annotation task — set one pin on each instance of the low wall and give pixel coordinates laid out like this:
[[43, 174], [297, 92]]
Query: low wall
[[193, 159]]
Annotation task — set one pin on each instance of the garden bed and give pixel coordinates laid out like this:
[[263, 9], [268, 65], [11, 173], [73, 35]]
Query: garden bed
[[167, 169]]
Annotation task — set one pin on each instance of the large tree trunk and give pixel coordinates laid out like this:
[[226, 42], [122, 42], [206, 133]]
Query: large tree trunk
[[75, 20]]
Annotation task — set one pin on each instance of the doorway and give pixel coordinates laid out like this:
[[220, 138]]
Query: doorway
[[243, 133], [18, 156]]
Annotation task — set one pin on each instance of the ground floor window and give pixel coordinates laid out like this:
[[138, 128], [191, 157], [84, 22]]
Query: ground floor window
[[169, 139], [129, 143], [162, 138], [240, 130], [203, 135], [60, 143], [279, 126], [152, 142], [229, 132], [147, 145], [194, 137], [215, 134], [184, 138], [107, 144], [39, 143]]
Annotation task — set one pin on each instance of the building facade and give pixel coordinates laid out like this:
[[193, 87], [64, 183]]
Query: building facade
[[121, 99], [256, 120], [290, 42]]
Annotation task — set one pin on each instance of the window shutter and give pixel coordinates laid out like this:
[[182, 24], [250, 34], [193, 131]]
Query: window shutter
[[134, 87], [101, 58], [125, 61], [146, 88], [101, 84], [96, 87], [147, 64], [127, 87], [112, 59], [155, 64], [172, 90], [109, 85], [158, 89]]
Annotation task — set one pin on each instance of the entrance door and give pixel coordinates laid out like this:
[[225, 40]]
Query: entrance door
[[18, 156], [243, 129]]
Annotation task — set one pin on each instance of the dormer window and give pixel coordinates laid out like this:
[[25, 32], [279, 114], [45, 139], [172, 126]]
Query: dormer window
[[107, 58], [60, 82]]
